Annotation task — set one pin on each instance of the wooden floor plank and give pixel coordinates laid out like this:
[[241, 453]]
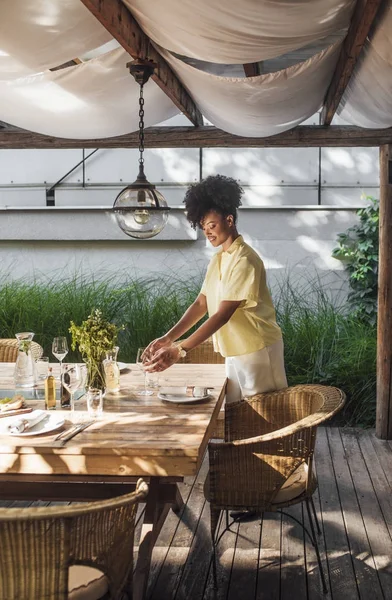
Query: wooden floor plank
[[246, 560], [225, 557], [197, 567], [315, 591], [167, 534], [293, 574], [364, 567], [268, 579], [384, 454], [340, 567], [175, 559], [377, 531], [381, 485]]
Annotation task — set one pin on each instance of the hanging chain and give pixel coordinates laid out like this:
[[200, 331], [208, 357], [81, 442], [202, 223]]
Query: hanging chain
[[141, 125]]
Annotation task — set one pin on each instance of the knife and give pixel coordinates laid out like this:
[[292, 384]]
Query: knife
[[18, 411], [74, 432]]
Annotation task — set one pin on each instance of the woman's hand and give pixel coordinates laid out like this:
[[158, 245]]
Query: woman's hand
[[162, 359], [154, 346]]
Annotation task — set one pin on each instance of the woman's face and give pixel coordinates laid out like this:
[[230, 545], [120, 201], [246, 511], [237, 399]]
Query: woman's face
[[217, 228]]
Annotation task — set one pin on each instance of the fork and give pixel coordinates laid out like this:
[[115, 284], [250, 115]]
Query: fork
[[64, 433], [74, 431]]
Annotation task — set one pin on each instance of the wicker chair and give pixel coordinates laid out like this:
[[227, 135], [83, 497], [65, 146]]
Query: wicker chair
[[63, 552], [9, 350], [203, 354], [266, 462]]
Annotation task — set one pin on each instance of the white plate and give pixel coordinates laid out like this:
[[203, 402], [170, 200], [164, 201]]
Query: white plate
[[122, 366], [50, 423], [178, 399]]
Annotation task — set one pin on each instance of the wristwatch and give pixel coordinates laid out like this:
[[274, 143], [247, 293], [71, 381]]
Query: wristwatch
[[181, 351]]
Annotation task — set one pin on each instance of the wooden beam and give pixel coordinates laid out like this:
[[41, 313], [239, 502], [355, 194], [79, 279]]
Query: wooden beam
[[384, 325], [69, 63], [303, 136], [117, 19], [252, 69], [361, 22]]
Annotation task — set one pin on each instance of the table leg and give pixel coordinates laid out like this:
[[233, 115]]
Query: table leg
[[154, 518], [179, 503]]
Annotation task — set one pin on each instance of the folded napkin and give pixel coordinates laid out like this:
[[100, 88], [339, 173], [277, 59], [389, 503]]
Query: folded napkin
[[21, 425], [189, 390]]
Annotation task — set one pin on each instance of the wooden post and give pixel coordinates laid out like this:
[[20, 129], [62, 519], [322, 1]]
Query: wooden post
[[384, 327]]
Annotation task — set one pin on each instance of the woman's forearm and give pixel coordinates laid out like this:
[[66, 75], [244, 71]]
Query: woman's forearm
[[192, 315], [212, 325]]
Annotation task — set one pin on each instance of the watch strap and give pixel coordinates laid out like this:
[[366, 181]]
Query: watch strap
[[181, 351]]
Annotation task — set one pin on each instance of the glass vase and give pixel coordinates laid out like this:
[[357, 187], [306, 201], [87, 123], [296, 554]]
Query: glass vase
[[25, 371]]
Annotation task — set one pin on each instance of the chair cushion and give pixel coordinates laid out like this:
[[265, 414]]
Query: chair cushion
[[294, 486], [86, 583]]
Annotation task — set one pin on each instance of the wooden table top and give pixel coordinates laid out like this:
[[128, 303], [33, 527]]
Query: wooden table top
[[137, 435]]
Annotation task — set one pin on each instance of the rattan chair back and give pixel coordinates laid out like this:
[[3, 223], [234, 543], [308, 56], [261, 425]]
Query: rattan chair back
[[268, 436], [9, 350], [38, 545], [203, 354]]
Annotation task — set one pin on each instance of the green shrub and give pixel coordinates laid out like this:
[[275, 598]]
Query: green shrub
[[325, 343], [358, 250]]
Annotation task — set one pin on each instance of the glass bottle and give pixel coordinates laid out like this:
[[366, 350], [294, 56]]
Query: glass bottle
[[112, 371], [65, 396], [50, 391], [24, 372]]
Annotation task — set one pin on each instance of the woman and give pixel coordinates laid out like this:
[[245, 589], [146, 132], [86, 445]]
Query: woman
[[235, 294]]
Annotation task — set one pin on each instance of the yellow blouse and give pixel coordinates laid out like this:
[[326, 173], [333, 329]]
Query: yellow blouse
[[239, 274]]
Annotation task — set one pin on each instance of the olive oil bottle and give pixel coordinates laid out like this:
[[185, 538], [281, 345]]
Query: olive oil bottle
[[50, 391]]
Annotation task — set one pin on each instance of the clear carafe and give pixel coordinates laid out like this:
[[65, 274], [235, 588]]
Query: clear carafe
[[25, 372], [112, 371]]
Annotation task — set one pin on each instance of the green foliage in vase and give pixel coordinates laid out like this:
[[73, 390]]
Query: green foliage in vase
[[94, 337], [25, 346], [358, 250]]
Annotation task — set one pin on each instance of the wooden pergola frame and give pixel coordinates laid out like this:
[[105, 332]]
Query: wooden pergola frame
[[116, 18]]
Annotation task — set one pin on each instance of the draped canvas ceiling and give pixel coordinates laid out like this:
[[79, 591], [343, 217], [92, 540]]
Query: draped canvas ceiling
[[98, 98]]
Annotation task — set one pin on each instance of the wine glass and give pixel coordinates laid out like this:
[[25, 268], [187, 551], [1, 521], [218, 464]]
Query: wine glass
[[139, 362], [72, 378], [60, 349]]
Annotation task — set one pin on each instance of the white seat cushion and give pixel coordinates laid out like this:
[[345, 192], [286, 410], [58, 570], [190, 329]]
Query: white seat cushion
[[86, 583], [294, 486]]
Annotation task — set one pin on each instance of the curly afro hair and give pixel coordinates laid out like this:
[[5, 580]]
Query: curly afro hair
[[216, 192]]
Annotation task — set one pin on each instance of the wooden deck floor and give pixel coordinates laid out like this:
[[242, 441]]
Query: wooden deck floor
[[269, 559]]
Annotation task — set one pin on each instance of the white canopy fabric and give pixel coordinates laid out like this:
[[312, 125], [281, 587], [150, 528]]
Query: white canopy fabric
[[367, 101], [95, 99], [99, 98], [36, 35], [262, 105], [233, 31]]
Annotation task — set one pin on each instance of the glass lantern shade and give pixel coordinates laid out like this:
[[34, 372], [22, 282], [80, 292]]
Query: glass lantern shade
[[141, 212]]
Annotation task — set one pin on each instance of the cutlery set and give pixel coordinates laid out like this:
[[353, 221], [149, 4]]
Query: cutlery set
[[67, 435]]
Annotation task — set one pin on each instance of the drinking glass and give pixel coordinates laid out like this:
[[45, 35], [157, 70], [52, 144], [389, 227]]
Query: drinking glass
[[152, 380], [60, 349], [140, 364], [72, 379], [42, 367], [94, 402]]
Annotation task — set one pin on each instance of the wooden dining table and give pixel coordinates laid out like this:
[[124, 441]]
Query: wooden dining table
[[137, 436]]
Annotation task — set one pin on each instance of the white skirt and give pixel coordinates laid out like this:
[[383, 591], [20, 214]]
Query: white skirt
[[254, 373]]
